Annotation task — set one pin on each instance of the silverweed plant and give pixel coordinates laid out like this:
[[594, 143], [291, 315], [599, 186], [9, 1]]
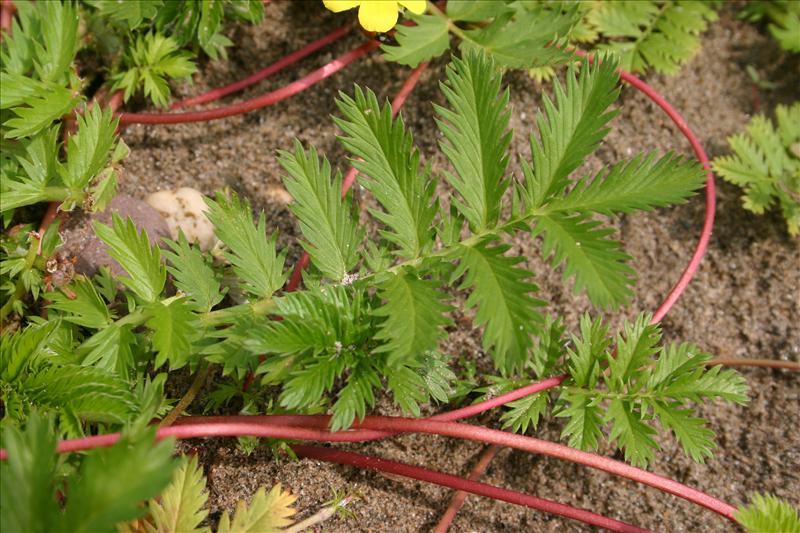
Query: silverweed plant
[[372, 315]]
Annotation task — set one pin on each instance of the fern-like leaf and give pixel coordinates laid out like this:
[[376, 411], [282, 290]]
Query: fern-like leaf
[[646, 33], [504, 305], [766, 163], [355, 396], [193, 274], [89, 149], [134, 252], [325, 219], [768, 514], [414, 315], [267, 513], [180, 507], [477, 137], [597, 263], [383, 151], [524, 37], [426, 39], [639, 184], [252, 254], [173, 328], [570, 129], [634, 435]]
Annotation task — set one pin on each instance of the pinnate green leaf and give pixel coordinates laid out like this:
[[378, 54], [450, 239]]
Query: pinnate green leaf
[[597, 263], [83, 306], [570, 129], [428, 38], [524, 37], [89, 149], [640, 184], [502, 297], [414, 316], [477, 137], [252, 254], [267, 513], [173, 327], [193, 274], [383, 150], [134, 252], [768, 514], [326, 219], [180, 506]]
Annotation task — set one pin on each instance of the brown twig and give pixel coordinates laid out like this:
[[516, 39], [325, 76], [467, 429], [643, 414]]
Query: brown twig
[[199, 380], [763, 363], [461, 496]]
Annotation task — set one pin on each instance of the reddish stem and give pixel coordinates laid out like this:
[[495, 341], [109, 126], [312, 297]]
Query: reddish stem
[[255, 103], [461, 496], [313, 428], [7, 9], [447, 480], [262, 74]]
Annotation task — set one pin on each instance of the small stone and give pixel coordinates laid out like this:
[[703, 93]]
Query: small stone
[[279, 195], [88, 251], [184, 209]]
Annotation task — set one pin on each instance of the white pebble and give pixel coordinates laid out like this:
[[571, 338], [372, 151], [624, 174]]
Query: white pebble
[[184, 209]]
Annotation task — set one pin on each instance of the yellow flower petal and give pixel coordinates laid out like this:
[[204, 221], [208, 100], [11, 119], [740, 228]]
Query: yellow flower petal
[[340, 5], [378, 15], [415, 6]]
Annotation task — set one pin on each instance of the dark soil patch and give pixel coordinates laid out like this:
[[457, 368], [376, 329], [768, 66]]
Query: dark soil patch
[[744, 301]]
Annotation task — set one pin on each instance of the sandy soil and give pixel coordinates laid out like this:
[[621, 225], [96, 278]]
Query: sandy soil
[[744, 301]]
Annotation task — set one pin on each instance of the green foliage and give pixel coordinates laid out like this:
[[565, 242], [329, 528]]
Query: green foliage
[[766, 514], [193, 274], [569, 130], [644, 383], [373, 315], [501, 292], [784, 20], [180, 507], [514, 34], [150, 61], [252, 253], [382, 149], [36, 172], [651, 34], [766, 164], [428, 38], [199, 22], [477, 139], [326, 220], [34, 375], [415, 314], [133, 251], [105, 489]]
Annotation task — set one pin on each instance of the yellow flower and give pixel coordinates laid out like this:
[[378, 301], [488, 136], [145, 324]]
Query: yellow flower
[[376, 15]]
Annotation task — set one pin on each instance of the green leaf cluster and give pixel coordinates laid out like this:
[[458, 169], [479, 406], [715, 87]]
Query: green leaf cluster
[[180, 507], [105, 489], [766, 164], [631, 383], [373, 316], [784, 20], [657, 34], [767, 513], [514, 34], [150, 61]]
